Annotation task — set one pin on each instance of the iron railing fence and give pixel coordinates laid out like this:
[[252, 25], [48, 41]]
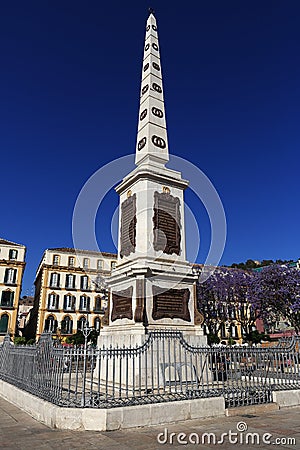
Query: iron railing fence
[[164, 368]]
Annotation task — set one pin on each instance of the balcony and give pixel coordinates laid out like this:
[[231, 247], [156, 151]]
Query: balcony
[[86, 288], [69, 308], [6, 305], [84, 310], [52, 308], [97, 310]]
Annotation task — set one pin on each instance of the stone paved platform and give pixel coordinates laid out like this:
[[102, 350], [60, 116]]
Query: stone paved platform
[[18, 431]]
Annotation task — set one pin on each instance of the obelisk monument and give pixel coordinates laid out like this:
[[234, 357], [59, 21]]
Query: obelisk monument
[[153, 285]]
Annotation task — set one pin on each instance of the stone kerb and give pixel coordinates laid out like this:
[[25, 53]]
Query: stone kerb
[[112, 418], [286, 398], [125, 417]]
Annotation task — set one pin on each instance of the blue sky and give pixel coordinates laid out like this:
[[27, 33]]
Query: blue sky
[[69, 87]]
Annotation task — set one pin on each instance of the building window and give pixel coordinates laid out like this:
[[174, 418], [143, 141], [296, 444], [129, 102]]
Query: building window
[[7, 299], [233, 331], [84, 304], [4, 323], [70, 281], [86, 263], [99, 264], [223, 330], [97, 324], [252, 313], [84, 282], [66, 325], [97, 304], [242, 310], [71, 261], [13, 254], [244, 331], [10, 276], [56, 259], [50, 324], [53, 300], [69, 302], [54, 280], [81, 324], [113, 265], [231, 312]]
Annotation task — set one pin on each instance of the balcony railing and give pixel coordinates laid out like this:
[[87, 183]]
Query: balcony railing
[[53, 307], [54, 286], [6, 304], [84, 310], [99, 310], [69, 308]]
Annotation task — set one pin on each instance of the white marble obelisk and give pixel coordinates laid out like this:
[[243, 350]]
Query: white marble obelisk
[[153, 286]]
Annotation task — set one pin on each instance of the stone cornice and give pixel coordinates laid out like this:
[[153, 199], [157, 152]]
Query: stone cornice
[[69, 269], [11, 262], [147, 174]]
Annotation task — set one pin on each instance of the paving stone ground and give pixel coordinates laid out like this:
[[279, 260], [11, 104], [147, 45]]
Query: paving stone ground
[[19, 431]]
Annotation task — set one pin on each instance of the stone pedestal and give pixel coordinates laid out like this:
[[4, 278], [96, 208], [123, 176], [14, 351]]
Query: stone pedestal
[[148, 295]]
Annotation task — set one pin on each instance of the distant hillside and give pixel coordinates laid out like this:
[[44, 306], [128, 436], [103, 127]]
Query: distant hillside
[[251, 264]]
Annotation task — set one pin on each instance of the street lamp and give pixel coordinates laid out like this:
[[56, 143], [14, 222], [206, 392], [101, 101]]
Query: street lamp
[[86, 331]]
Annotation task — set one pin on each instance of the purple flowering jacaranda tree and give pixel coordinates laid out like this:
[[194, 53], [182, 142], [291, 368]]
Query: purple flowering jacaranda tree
[[224, 298], [275, 293]]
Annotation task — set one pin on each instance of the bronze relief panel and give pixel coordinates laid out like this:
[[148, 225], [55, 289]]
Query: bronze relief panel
[[128, 226], [122, 305], [171, 304], [166, 223]]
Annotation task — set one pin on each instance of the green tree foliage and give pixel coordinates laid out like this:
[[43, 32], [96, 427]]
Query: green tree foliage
[[231, 341], [251, 264], [255, 337], [93, 337], [213, 339], [76, 338], [20, 341]]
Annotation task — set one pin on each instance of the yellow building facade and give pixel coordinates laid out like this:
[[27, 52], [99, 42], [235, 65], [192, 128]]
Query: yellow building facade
[[70, 290], [12, 265]]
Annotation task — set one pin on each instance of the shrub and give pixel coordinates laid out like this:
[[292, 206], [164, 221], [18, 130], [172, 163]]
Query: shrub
[[20, 341], [213, 339], [76, 339], [231, 341]]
